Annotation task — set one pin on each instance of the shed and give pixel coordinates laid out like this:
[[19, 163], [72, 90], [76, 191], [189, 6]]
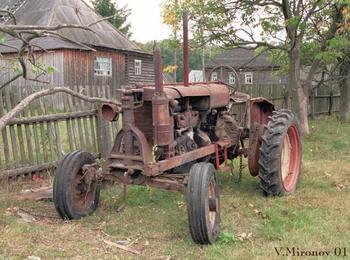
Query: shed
[[252, 69], [116, 60]]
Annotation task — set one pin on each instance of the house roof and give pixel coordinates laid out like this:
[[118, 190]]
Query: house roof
[[241, 58], [76, 12]]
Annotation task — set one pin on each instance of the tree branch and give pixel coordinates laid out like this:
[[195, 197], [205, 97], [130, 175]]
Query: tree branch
[[11, 80], [47, 92]]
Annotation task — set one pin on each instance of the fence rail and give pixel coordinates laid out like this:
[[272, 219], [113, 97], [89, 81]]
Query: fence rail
[[37, 138], [54, 125], [323, 101]]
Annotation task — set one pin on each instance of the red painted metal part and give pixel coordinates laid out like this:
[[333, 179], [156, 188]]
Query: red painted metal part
[[223, 145], [256, 132], [260, 110], [162, 120], [110, 112], [219, 93], [289, 182]]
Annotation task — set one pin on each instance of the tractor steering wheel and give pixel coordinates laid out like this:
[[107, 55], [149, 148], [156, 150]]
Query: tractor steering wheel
[[222, 67]]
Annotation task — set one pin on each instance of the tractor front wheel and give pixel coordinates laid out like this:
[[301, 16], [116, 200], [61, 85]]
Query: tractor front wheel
[[203, 204], [280, 154], [75, 192]]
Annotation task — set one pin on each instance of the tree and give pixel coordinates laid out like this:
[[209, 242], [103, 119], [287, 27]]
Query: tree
[[344, 86], [281, 25], [171, 18], [107, 8], [344, 66]]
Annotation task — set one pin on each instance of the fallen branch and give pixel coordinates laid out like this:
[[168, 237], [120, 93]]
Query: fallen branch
[[23, 215], [125, 248], [47, 92], [43, 193]]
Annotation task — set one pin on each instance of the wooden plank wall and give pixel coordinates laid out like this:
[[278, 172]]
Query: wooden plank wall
[[147, 73], [39, 136]]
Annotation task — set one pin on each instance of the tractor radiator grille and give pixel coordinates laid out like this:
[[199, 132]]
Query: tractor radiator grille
[[143, 120]]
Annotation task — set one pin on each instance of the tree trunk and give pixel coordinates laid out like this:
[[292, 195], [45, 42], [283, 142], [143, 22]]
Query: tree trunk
[[344, 86], [175, 63], [203, 65], [303, 104], [300, 96]]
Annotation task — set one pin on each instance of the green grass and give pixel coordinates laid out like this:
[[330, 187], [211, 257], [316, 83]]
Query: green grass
[[316, 217]]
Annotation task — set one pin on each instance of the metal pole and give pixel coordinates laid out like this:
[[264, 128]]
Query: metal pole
[[185, 49], [158, 70]]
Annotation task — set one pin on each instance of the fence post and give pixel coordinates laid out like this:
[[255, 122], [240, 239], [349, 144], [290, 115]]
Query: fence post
[[102, 135], [312, 103], [286, 99], [330, 104]]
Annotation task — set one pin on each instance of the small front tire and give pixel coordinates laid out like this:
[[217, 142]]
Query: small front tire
[[203, 204], [73, 196]]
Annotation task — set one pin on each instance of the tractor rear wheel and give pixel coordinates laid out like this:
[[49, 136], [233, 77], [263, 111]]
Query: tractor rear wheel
[[280, 154], [75, 193], [203, 204]]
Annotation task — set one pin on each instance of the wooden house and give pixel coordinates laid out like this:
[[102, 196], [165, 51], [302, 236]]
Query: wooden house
[[107, 57], [251, 70]]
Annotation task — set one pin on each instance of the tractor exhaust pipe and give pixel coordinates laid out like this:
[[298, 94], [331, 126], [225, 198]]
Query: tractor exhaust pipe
[[110, 112], [185, 49], [162, 121], [158, 69]]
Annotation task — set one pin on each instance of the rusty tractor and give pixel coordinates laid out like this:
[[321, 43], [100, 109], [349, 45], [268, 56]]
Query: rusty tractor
[[177, 137]]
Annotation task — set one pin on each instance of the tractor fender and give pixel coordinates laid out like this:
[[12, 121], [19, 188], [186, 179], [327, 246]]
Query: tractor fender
[[146, 151], [260, 112]]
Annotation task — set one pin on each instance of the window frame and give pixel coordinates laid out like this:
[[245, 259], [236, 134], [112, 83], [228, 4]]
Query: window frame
[[138, 67], [248, 75], [231, 78], [212, 76], [104, 71]]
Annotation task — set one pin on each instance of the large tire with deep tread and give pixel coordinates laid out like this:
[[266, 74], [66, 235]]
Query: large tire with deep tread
[[280, 154], [73, 199], [203, 204]]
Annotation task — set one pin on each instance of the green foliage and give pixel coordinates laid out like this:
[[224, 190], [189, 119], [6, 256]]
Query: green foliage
[[227, 238], [266, 23], [51, 69], [108, 8]]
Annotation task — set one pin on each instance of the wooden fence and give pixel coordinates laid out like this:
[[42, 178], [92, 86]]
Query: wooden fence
[[55, 125], [38, 137], [326, 100]]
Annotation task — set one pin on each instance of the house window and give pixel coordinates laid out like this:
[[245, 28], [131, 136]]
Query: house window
[[248, 78], [102, 66], [231, 78], [214, 76], [138, 67]]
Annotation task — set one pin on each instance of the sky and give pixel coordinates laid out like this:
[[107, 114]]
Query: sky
[[145, 19]]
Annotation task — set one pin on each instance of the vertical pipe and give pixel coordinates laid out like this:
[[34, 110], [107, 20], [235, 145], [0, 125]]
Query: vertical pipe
[[158, 70], [185, 49]]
